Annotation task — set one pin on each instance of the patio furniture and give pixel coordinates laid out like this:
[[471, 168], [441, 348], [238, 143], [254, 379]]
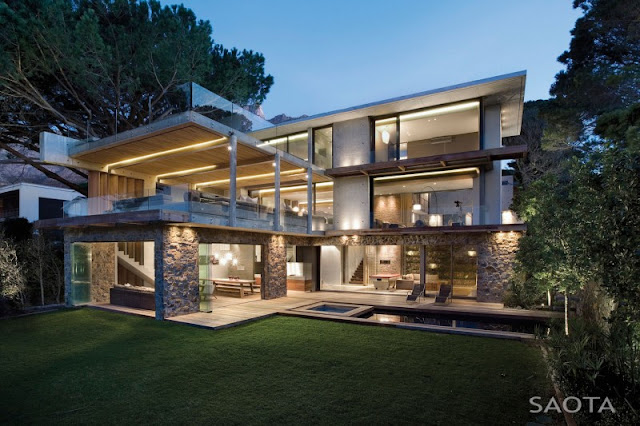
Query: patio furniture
[[233, 285], [416, 293], [444, 295], [384, 281], [404, 284]]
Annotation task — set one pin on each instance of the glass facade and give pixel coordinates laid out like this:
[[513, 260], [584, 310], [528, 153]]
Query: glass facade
[[80, 273], [227, 270], [323, 147], [444, 129], [296, 144], [425, 199], [393, 268]]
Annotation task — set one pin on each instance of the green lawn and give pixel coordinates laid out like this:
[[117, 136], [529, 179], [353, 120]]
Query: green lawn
[[84, 365]]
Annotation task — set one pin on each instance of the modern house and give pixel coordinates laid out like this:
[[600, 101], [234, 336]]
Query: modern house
[[33, 201], [372, 198]]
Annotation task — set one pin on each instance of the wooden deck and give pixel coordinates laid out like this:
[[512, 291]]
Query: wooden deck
[[229, 312]]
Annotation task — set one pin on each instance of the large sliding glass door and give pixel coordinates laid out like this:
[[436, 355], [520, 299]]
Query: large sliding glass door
[[356, 268]]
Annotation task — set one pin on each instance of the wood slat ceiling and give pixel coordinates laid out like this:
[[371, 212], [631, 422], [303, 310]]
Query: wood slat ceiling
[[181, 136], [217, 155]]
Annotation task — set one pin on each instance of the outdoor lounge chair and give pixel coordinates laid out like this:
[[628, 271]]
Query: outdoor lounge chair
[[444, 295], [416, 293]]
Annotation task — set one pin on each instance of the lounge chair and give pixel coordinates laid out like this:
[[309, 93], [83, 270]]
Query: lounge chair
[[444, 295], [416, 293]]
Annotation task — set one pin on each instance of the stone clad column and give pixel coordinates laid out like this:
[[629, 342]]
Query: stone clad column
[[176, 265], [274, 260], [496, 258], [103, 271]]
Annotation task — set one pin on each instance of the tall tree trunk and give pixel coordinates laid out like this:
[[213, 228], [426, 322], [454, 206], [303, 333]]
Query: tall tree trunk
[[566, 312]]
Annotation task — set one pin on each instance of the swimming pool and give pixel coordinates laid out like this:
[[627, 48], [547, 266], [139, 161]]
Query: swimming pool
[[457, 320]]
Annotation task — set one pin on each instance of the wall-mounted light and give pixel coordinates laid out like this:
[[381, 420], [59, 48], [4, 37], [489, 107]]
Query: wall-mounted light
[[472, 253], [507, 217], [417, 207]]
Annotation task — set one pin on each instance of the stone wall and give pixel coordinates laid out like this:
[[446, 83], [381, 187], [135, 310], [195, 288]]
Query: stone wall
[[176, 258], [177, 291], [496, 258], [103, 271], [274, 261]]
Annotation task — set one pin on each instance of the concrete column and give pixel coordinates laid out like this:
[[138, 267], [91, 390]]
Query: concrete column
[[233, 157], [491, 180], [176, 266], [309, 200], [351, 203], [274, 261], [276, 210]]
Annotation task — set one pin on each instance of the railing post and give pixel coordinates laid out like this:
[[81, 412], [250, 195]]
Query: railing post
[[233, 144], [276, 210], [309, 200]]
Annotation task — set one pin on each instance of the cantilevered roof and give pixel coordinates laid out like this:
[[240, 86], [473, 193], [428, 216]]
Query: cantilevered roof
[[190, 148], [507, 90]]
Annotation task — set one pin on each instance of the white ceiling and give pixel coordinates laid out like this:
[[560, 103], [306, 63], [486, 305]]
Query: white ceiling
[[442, 125]]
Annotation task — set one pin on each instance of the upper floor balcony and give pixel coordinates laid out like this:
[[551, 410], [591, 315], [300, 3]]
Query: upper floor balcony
[[218, 164]]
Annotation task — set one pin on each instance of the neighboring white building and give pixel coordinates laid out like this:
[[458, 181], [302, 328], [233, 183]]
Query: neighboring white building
[[33, 202]]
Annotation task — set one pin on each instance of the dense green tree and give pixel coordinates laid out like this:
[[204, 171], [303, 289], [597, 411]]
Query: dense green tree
[[603, 60], [92, 68]]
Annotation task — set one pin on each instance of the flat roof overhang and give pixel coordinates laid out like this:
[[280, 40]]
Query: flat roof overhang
[[481, 158], [506, 90], [189, 148]]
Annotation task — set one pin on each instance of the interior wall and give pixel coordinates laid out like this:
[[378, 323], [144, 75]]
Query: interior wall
[[393, 254], [330, 261], [244, 253]]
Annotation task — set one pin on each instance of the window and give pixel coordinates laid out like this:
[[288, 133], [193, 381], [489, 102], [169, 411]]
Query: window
[[49, 208], [448, 198], [323, 147], [432, 131], [296, 144]]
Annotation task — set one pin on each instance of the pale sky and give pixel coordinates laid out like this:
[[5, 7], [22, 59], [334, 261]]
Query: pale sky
[[326, 55]]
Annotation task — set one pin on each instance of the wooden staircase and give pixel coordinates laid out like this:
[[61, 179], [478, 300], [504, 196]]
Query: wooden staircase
[[358, 275], [131, 271]]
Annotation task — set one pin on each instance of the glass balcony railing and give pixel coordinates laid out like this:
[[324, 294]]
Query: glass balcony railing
[[217, 108], [201, 206]]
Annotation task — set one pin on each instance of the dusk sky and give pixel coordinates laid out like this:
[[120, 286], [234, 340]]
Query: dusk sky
[[335, 54]]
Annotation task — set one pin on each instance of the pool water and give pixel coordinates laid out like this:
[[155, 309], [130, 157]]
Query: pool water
[[331, 308], [457, 321]]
